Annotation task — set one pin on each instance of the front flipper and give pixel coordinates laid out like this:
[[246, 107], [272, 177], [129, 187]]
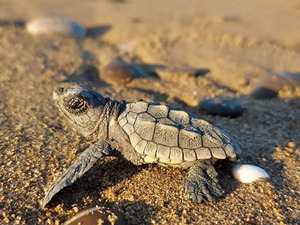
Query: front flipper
[[202, 183], [85, 161]]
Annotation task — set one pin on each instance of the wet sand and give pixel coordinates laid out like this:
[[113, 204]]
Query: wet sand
[[232, 43]]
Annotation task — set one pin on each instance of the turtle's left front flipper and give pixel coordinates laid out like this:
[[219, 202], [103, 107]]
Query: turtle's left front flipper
[[85, 161], [202, 183]]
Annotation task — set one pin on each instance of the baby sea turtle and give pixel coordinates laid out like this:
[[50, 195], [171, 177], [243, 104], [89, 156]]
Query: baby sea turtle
[[142, 133]]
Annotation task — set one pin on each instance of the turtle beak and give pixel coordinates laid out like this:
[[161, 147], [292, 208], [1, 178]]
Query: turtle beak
[[56, 94]]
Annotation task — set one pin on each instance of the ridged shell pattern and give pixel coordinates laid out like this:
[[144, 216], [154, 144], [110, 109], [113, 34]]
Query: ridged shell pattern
[[168, 135]]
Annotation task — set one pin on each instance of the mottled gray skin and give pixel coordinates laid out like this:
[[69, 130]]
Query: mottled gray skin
[[144, 133]]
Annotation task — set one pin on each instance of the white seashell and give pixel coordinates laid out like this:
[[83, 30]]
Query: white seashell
[[57, 25], [128, 46], [248, 173]]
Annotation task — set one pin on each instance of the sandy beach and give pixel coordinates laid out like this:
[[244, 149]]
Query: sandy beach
[[232, 43]]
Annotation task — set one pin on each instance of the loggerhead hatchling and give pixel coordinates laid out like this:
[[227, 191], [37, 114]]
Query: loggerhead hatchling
[[142, 133]]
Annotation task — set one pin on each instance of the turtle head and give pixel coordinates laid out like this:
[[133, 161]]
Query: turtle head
[[81, 106]]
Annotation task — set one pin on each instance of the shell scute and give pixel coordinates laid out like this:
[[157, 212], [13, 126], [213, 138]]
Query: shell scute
[[145, 129], [140, 146], [189, 155], [189, 139], [211, 139], [163, 152], [145, 117], [179, 117], [128, 128], [218, 153], [203, 153], [150, 149], [131, 117], [122, 121], [166, 135], [134, 139], [138, 107], [158, 111], [176, 155]]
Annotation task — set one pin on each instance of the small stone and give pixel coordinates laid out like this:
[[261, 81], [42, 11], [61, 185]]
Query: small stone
[[2, 204], [223, 106], [97, 215], [291, 144], [228, 17], [271, 85], [290, 150], [245, 81], [121, 73], [56, 25]]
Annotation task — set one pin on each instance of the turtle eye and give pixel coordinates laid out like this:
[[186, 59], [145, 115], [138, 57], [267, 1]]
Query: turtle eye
[[77, 105]]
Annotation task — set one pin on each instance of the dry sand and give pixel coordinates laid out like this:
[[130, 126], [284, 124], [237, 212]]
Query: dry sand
[[236, 41]]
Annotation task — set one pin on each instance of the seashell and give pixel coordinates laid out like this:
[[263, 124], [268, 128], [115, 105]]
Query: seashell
[[247, 173], [97, 215], [274, 83], [128, 46], [58, 25], [119, 72]]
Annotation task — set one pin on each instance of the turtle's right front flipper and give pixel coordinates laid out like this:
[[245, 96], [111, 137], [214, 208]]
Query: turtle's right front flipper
[[85, 161]]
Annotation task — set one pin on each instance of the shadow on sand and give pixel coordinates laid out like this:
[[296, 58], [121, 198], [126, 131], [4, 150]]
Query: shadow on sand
[[96, 32]]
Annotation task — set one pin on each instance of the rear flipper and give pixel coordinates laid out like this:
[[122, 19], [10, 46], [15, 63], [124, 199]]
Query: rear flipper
[[202, 183], [85, 161]]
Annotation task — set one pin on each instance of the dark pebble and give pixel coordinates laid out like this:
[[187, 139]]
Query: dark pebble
[[223, 106], [97, 215], [271, 84], [121, 73]]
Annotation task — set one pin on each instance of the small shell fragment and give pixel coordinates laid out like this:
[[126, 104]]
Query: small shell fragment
[[119, 72], [282, 83], [97, 215], [248, 173], [57, 25]]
